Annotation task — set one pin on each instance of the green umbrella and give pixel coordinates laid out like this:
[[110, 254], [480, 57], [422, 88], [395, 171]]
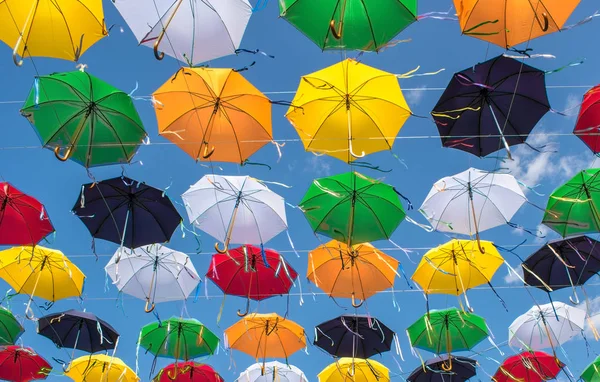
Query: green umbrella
[[573, 208], [10, 328], [178, 338], [83, 118], [592, 372], [350, 24], [352, 208]]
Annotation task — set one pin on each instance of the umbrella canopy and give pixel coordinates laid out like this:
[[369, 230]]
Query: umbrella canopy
[[592, 371], [178, 338], [265, 336], [573, 208], [20, 364], [462, 369], [23, 219], [272, 371], [358, 272], [188, 372], [509, 23], [83, 118], [563, 263], [153, 273], [457, 266], [354, 336], [51, 28], [530, 367], [235, 209], [352, 208], [348, 110], [588, 121], [491, 106], [352, 24], [100, 367], [10, 328], [78, 330], [213, 114], [546, 326], [355, 370], [124, 211], [191, 31]]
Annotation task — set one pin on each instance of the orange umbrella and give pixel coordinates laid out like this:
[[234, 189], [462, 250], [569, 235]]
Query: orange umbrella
[[265, 336], [509, 23], [356, 272], [213, 114]]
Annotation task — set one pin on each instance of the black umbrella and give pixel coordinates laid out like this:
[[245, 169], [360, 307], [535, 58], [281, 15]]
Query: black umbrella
[[492, 105], [354, 336], [462, 369], [126, 211], [78, 330]]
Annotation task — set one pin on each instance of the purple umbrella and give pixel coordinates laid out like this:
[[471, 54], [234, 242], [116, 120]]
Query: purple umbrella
[[462, 369], [491, 105]]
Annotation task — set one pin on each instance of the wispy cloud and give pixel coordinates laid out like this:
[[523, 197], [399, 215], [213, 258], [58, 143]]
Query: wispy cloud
[[415, 96], [511, 278], [594, 311], [572, 104], [317, 165]]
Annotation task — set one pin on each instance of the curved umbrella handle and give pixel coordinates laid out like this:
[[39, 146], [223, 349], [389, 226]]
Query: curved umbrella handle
[[240, 314], [149, 310], [65, 156], [171, 376], [336, 33], [481, 249], [447, 366], [354, 304], [575, 300], [546, 24], [17, 60], [207, 154], [225, 247], [159, 55]]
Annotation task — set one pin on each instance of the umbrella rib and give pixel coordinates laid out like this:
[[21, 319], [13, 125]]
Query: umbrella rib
[[114, 131], [121, 114]]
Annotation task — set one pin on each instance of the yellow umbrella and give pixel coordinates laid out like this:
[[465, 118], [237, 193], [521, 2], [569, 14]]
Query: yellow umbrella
[[355, 370], [348, 110], [100, 368], [51, 28]]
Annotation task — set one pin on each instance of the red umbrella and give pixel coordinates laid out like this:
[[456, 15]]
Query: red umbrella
[[188, 372], [587, 127], [19, 364], [23, 220], [529, 366], [249, 272]]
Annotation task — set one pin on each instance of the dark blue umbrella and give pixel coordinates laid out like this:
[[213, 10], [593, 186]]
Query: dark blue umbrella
[[121, 205], [354, 336], [490, 106], [461, 369], [78, 330]]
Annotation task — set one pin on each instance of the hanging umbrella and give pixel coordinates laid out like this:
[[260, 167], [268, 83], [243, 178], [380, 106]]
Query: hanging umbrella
[[490, 106], [178, 338], [354, 336], [573, 207], [350, 24], [10, 328], [358, 272], [100, 367], [348, 110], [235, 209], [78, 330], [587, 127], [188, 372], [192, 31], [352, 208], [51, 28], [213, 114], [472, 201], [509, 23], [355, 370], [21, 364], [82, 118], [272, 371], [23, 219], [265, 336], [244, 272], [153, 273], [530, 367], [127, 212], [546, 326], [462, 369], [592, 372]]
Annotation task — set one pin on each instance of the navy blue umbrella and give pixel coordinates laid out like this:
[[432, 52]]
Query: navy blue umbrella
[[78, 330], [122, 210], [354, 336], [435, 370]]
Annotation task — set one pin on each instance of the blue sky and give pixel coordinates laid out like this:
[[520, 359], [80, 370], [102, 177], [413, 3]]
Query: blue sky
[[435, 45]]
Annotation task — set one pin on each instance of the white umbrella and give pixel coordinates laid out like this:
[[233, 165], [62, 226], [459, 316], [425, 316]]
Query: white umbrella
[[539, 328], [235, 209], [192, 31], [272, 371], [153, 273]]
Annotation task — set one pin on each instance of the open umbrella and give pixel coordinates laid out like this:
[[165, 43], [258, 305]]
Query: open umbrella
[[21, 364], [272, 371], [356, 370], [462, 369], [83, 118], [100, 367], [188, 372], [10, 328], [528, 366], [192, 31], [587, 127], [490, 106]]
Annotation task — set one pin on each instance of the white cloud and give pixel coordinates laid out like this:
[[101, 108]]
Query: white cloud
[[511, 278], [317, 165], [546, 233], [572, 105], [594, 311], [415, 96]]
